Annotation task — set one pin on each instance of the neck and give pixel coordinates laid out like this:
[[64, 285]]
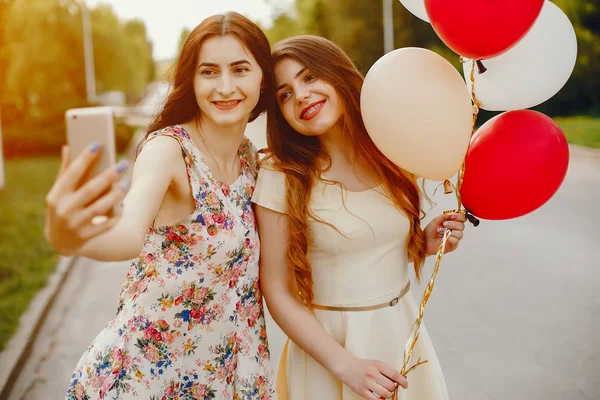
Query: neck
[[336, 144], [221, 141]]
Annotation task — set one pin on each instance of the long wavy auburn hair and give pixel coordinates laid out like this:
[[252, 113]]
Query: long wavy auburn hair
[[181, 105], [299, 156]]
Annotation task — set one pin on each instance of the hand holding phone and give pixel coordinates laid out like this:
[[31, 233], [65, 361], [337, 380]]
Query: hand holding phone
[[81, 202]]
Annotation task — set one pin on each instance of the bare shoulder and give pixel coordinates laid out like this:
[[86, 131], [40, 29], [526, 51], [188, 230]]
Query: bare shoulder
[[165, 147], [161, 153]]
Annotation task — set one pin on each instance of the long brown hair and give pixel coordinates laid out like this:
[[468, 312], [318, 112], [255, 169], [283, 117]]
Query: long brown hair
[[181, 105], [298, 155]]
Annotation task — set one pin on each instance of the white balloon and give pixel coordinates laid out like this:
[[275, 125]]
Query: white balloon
[[417, 8], [533, 70]]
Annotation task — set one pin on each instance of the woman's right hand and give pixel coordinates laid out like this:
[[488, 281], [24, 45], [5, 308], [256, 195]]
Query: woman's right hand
[[76, 210], [372, 379]]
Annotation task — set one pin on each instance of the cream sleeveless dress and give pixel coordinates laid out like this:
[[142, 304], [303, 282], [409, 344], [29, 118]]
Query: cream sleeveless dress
[[366, 267]]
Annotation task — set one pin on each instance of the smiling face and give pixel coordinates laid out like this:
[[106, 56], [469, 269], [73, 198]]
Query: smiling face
[[228, 80], [310, 105]]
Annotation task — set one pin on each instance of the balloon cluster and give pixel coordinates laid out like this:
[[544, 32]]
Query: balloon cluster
[[417, 109], [420, 113]]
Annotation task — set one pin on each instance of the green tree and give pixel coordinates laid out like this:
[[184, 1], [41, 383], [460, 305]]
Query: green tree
[[357, 27], [315, 17], [284, 25], [140, 64], [185, 32], [581, 94], [43, 71], [110, 51], [590, 16], [5, 6], [122, 53]]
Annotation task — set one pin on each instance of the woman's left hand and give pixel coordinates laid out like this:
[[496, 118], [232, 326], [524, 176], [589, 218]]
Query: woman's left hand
[[434, 231]]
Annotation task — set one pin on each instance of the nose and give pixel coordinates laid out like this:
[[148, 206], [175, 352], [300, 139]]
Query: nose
[[302, 94], [225, 85]]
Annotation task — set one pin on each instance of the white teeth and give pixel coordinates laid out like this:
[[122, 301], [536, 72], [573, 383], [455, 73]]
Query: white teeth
[[226, 103], [311, 111]]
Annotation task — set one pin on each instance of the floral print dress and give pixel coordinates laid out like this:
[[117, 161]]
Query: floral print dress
[[190, 322]]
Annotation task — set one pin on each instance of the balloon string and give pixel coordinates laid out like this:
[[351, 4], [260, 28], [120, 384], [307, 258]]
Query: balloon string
[[414, 332], [476, 106], [413, 336]]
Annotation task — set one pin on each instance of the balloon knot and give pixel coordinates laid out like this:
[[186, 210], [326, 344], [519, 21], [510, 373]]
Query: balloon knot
[[473, 219], [480, 67], [448, 187]]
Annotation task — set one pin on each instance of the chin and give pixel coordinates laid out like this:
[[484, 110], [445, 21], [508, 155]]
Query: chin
[[310, 132], [232, 119], [315, 131]]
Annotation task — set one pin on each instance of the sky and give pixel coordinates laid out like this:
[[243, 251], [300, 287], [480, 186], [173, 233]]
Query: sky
[[165, 19]]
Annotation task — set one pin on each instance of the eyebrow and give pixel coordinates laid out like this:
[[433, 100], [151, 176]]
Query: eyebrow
[[233, 64], [295, 77]]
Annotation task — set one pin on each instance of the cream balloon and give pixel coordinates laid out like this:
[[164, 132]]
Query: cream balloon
[[532, 71], [417, 8], [418, 112]]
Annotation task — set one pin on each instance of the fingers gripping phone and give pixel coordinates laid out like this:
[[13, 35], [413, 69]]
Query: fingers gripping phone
[[92, 125]]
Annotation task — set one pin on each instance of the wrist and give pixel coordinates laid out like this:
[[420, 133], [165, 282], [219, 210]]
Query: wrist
[[429, 250], [341, 364], [60, 247], [66, 251]]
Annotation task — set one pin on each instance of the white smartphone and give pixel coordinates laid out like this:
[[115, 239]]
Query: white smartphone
[[92, 125]]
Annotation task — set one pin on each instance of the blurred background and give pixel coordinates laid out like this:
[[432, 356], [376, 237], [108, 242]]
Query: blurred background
[[62, 54]]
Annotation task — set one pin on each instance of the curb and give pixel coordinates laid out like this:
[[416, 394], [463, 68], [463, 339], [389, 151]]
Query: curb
[[584, 151], [19, 347]]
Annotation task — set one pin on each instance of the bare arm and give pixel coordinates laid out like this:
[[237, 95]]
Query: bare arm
[[278, 285], [153, 172], [72, 205]]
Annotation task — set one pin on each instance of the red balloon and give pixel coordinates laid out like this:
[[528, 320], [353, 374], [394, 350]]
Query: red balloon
[[481, 29], [516, 162]]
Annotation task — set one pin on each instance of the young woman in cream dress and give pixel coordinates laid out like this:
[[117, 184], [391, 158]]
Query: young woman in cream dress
[[339, 224]]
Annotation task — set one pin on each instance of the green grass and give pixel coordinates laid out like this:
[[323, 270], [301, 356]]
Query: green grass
[[26, 259], [584, 131]]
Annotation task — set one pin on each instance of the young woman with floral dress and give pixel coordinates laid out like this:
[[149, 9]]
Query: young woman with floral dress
[[190, 322]]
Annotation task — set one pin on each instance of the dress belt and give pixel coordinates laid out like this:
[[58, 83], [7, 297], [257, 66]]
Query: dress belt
[[390, 303]]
